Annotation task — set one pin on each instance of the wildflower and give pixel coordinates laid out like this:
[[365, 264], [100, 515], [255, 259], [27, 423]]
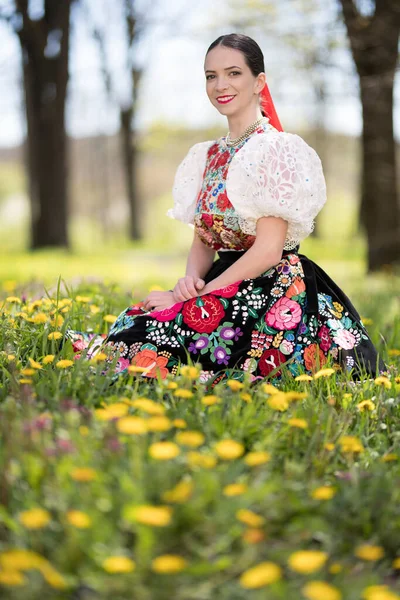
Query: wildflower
[[250, 518], [35, 518], [329, 446], [324, 373], [396, 563], [261, 575], [168, 563], [253, 459], [303, 377], [307, 561], [10, 357], [26, 381], [83, 299], [268, 388], [350, 443], [190, 372], [83, 474], [148, 406], [235, 489], [172, 385], [292, 395], [205, 461], [20, 560], [325, 492], [39, 318], [110, 318], [34, 364], [229, 449], [385, 381], [300, 423], [253, 535], [132, 369], [12, 578], [379, 592], [164, 450], [193, 439], [159, 423], [99, 357], [94, 309], [64, 364], [210, 400], [146, 514], [394, 352], [28, 372], [49, 358], [365, 405], [182, 393], [389, 457], [57, 321], [320, 590], [369, 552], [131, 425], [180, 493], [335, 568], [245, 397], [179, 423], [278, 402], [54, 335], [78, 519], [234, 385], [118, 564], [13, 300]]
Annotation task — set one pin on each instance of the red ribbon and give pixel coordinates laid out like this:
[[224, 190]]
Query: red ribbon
[[267, 106]]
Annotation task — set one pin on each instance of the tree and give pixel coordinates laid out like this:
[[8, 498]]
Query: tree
[[374, 42], [45, 51]]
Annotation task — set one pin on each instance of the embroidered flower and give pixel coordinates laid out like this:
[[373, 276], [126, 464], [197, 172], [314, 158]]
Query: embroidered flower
[[284, 314], [167, 314], [325, 340], [223, 201], [149, 358], [270, 360], [203, 314], [199, 344], [314, 358], [221, 355], [228, 291], [345, 339], [286, 347]]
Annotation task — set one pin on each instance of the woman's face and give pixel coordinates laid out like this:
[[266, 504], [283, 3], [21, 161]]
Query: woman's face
[[231, 86]]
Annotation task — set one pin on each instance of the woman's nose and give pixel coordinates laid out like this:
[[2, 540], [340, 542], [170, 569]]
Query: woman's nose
[[221, 85]]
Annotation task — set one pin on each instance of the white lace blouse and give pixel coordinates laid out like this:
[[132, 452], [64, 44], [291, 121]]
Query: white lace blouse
[[273, 174]]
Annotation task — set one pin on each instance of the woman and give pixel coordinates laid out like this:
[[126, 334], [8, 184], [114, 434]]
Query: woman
[[252, 196]]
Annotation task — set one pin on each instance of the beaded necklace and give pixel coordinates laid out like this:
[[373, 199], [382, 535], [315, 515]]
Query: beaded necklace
[[246, 132]]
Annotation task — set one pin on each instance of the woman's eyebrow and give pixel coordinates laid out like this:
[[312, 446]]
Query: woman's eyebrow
[[227, 68]]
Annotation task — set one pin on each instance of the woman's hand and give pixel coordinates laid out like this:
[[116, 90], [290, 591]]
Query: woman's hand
[[158, 300], [187, 287]]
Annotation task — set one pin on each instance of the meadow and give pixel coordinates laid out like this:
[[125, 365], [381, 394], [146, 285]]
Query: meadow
[[152, 488]]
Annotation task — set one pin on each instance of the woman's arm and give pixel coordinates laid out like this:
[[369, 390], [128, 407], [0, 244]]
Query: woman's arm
[[263, 254], [200, 258]]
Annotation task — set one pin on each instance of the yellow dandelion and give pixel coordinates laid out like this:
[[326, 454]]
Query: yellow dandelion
[[385, 381], [379, 592], [253, 535], [168, 563], [350, 443], [26, 381], [183, 393], [13, 300], [261, 575], [111, 411], [234, 385], [54, 335], [148, 406], [164, 450], [235, 489], [49, 358], [83, 299], [293, 395], [179, 423], [94, 309], [132, 369], [229, 449], [204, 461], [58, 321], [365, 405], [39, 318], [64, 363], [20, 560], [83, 474], [12, 578], [28, 372], [180, 493], [193, 439], [324, 373], [190, 372], [110, 318], [394, 352], [254, 459], [250, 518], [278, 402], [245, 397], [307, 561], [34, 364], [131, 425], [389, 457], [101, 356], [35, 518], [329, 446], [369, 552], [300, 423], [118, 564], [396, 563], [10, 357], [270, 389], [366, 320], [78, 519], [146, 514], [210, 400], [172, 385], [303, 377], [335, 568], [325, 492], [158, 423], [320, 590]]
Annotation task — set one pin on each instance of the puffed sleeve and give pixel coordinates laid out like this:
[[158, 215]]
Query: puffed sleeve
[[187, 183], [277, 174]]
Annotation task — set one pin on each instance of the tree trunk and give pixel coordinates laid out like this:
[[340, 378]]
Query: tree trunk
[[374, 44], [45, 66], [130, 155]]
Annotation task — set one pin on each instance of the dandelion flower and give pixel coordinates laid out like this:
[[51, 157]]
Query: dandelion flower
[[278, 402], [110, 318], [164, 450], [13, 300], [146, 514], [303, 377], [148, 406], [35, 518], [158, 423], [245, 397], [324, 373], [190, 372], [204, 461], [83, 474], [78, 519], [350, 443], [379, 592], [193, 439], [64, 364], [369, 552], [49, 358], [307, 561], [250, 518], [34, 364], [253, 535], [235, 489], [183, 393], [180, 493], [54, 335], [254, 459], [365, 405], [118, 564], [229, 449], [325, 492], [179, 423], [261, 575], [26, 381], [300, 423], [210, 400], [131, 425], [39, 318], [234, 385], [168, 563], [320, 590], [389, 457], [385, 381]]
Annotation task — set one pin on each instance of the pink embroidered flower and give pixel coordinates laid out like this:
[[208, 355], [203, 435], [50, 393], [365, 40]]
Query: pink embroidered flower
[[122, 364], [285, 314], [324, 336], [286, 347], [227, 292], [345, 339], [167, 314]]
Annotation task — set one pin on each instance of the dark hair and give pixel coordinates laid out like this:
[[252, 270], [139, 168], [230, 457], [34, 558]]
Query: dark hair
[[252, 52]]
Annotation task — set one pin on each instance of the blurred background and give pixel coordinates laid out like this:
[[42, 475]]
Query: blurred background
[[101, 99]]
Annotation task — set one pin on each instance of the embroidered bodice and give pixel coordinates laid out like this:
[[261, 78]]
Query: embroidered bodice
[[222, 190]]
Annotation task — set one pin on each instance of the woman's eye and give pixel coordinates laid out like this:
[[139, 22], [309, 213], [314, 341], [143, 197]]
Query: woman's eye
[[208, 76], [235, 72]]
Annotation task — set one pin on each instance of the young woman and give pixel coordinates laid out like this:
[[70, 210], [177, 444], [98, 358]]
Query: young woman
[[251, 196]]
